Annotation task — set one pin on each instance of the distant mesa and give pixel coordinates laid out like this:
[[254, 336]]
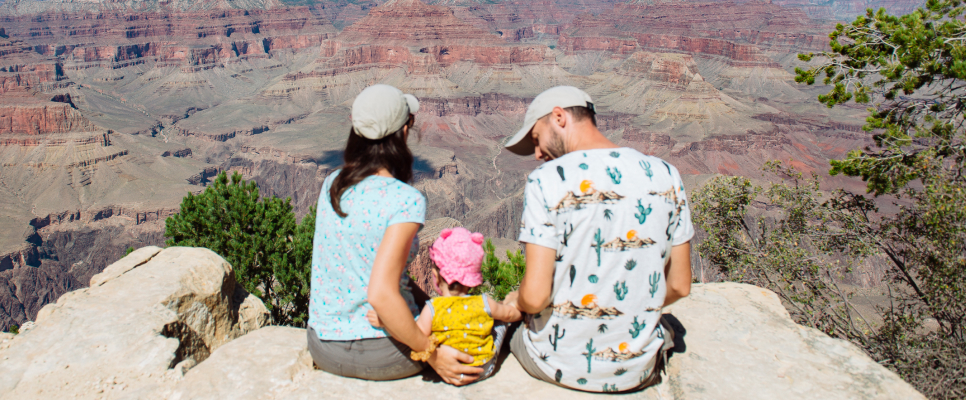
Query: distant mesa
[[591, 311], [185, 152], [609, 354]]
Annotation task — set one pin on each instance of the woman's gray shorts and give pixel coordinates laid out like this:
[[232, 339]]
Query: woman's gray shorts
[[380, 359]]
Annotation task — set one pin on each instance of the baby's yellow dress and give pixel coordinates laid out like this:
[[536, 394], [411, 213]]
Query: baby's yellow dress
[[464, 323]]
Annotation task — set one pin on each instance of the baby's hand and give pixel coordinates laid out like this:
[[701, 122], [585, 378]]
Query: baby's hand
[[374, 319], [506, 311], [511, 298]]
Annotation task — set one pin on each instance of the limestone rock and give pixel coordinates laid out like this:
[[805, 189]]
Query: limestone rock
[[135, 259], [741, 343], [255, 366], [172, 324], [125, 336], [274, 363]]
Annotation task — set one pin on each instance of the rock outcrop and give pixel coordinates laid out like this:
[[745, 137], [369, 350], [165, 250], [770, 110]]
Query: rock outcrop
[[846, 10], [21, 7], [143, 322], [172, 324]]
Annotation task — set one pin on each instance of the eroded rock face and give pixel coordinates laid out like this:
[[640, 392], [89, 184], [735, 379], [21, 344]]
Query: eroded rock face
[[144, 321], [849, 9], [741, 343]]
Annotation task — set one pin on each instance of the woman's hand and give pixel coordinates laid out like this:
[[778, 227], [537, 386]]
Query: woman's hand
[[449, 363]]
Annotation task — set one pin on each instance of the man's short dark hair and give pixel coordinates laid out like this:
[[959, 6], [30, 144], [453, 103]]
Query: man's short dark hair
[[581, 113]]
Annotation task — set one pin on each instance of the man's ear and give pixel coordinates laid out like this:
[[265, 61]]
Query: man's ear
[[558, 117]]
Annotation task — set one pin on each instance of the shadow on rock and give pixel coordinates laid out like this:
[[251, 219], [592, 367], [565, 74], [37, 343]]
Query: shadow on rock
[[679, 333]]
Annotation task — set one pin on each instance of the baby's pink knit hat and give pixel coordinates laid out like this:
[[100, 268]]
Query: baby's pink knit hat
[[458, 254]]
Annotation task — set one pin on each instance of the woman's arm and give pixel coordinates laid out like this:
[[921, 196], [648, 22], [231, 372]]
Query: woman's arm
[[384, 293], [395, 315]]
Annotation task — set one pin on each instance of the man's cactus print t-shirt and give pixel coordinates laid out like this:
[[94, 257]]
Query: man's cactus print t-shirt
[[612, 215]]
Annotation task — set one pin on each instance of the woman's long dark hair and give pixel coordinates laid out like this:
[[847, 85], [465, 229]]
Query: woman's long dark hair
[[364, 157]]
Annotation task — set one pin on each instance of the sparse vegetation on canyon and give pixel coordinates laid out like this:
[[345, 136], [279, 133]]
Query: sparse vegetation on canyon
[[800, 241]]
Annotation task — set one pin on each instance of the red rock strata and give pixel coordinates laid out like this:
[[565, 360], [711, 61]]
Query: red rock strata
[[520, 20], [670, 73], [848, 9], [383, 35], [736, 32], [21, 67], [119, 38], [24, 113]]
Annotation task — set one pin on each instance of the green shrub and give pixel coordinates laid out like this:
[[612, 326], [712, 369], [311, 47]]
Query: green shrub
[[259, 237], [14, 329], [500, 277], [910, 71]]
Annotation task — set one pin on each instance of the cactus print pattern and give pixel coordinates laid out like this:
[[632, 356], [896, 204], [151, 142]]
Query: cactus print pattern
[[603, 212]]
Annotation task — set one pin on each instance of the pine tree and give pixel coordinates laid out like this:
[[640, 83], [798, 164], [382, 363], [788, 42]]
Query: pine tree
[[500, 278], [259, 237]]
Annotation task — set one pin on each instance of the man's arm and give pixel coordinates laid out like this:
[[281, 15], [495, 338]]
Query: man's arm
[[678, 273], [537, 280]]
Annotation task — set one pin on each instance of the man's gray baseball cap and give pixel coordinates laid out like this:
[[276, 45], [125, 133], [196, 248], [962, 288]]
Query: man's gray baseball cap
[[543, 104]]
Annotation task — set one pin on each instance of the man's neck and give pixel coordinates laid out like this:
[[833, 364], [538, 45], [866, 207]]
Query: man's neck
[[588, 137]]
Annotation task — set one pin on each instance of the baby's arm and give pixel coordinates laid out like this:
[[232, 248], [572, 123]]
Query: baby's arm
[[503, 312], [425, 321]]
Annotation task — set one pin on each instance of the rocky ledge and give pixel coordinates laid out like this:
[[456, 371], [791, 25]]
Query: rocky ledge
[[173, 324]]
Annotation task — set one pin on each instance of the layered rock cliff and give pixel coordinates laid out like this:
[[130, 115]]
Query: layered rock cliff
[[848, 9], [26, 7]]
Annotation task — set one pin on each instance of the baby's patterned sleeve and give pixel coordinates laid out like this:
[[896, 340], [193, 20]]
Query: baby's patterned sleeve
[[684, 230], [538, 222]]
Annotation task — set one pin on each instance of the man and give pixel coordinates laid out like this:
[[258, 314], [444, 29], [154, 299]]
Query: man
[[607, 233]]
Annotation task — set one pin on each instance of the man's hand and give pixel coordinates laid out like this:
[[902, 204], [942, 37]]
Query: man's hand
[[449, 363]]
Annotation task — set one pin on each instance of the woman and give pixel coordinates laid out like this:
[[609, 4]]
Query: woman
[[365, 234]]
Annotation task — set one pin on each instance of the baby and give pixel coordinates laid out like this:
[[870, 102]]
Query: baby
[[463, 322]]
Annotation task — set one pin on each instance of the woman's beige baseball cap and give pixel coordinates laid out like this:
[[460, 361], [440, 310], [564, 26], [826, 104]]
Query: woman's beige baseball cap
[[543, 104], [381, 110]]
